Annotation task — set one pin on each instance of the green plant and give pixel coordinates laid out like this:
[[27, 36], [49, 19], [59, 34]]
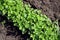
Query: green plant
[[40, 26]]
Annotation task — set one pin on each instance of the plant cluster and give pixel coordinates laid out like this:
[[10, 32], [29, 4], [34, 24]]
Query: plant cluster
[[39, 26]]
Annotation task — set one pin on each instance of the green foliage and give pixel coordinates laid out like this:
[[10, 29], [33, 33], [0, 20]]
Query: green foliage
[[40, 26]]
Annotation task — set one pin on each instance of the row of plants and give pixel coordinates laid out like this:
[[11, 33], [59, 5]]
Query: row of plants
[[39, 26]]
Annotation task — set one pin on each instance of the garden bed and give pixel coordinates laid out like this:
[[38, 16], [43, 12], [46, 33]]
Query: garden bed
[[51, 8]]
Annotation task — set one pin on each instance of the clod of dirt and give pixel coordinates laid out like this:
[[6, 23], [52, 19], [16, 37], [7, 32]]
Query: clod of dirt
[[51, 8], [11, 35]]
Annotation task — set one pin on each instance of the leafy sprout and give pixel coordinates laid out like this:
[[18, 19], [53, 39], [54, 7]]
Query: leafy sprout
[[40, 26]]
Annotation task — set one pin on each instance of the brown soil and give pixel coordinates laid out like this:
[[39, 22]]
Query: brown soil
[[10, 32], [51, 8]]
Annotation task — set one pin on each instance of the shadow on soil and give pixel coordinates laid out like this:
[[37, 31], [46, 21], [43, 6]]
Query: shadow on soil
[[10, 32]]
